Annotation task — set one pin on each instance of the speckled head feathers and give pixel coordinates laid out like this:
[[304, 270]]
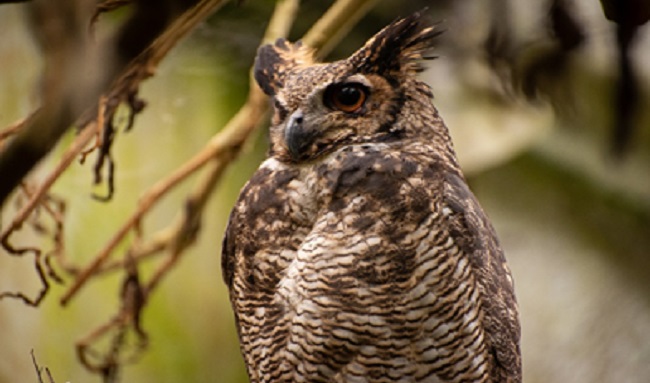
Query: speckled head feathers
[[275, 60], [396, 51]]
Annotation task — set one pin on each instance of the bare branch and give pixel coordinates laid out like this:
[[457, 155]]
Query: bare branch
[[335, 24], [62, 32], [68, 157], [12, 129], [54, 208]]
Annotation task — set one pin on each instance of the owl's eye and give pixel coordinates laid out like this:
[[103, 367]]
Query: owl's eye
[[348, 97]]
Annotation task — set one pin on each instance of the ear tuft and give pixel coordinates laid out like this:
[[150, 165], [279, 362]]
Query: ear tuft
[[273, 61], [399, 48]]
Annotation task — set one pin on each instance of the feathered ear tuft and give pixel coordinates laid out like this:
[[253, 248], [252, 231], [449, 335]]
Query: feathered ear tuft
[[399, 48], [273, 61]]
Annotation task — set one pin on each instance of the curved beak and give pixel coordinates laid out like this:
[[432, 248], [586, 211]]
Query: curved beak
[[298, 137]]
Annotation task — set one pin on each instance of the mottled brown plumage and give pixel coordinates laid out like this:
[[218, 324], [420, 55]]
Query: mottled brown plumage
[[357, 253]]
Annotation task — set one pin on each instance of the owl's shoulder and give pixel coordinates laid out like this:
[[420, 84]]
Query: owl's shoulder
[[259, 215], [265, 193], [389, 176], [361, 165]]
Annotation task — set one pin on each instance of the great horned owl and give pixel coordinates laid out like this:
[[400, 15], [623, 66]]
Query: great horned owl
[[357, 252]]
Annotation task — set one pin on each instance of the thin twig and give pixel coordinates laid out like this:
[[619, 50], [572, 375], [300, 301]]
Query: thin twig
[[68, 157], [335, 24], [39, 370], [145, 64], [37, 253], [13, 128], [36, 367], [83, 346]]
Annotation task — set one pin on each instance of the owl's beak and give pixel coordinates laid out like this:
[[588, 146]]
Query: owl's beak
[[298, 137]]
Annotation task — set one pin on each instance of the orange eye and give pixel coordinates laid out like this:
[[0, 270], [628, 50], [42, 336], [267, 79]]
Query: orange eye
[[348, 98]]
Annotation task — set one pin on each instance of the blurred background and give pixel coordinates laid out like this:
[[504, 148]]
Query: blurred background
[[554, 140]]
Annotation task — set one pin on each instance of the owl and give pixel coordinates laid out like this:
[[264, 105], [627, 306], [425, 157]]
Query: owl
[[357, 253]]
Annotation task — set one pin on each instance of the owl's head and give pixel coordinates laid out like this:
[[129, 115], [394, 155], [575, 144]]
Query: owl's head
[[372, 96]]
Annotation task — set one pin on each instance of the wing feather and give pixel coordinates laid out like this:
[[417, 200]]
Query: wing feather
[[473, 231]]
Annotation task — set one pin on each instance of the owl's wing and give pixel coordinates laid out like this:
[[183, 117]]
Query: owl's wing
[[260, 241], [259, 224], [474, 233]]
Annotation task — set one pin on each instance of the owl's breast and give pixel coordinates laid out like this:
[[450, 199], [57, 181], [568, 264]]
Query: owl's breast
[[371, 207], [378, 281]]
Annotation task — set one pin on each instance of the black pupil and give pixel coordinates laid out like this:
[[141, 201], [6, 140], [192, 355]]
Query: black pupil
[[349, 95]]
